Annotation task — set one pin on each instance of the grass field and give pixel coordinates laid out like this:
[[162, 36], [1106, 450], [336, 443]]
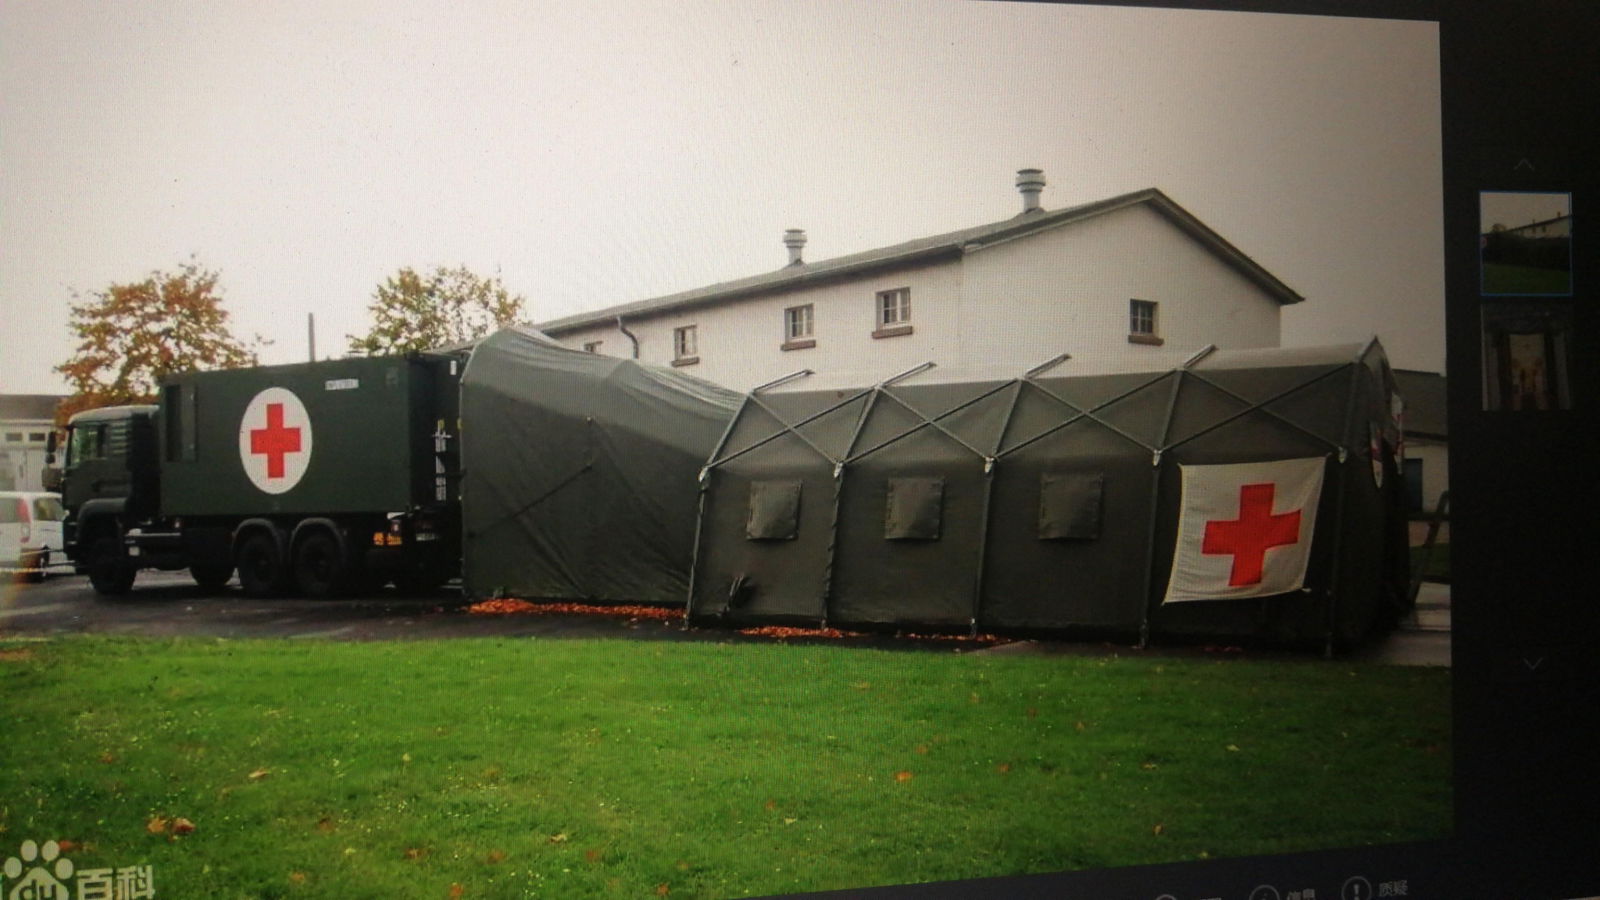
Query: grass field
[[1505, 278], [509, 768]]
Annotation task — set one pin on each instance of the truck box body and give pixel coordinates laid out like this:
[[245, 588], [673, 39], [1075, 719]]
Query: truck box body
[[356, 435]]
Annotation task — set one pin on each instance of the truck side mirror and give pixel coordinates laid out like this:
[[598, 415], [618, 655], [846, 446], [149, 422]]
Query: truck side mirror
[[50, 448]]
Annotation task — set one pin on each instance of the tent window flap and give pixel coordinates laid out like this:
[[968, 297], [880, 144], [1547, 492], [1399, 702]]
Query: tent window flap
[[1069, 505], [914, 509], [774, 511]]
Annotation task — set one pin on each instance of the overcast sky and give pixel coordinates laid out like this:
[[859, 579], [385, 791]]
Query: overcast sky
[[598, 153]]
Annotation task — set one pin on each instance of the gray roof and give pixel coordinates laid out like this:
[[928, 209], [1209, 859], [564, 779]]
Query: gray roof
[[29, 406], [932, 248], [1425, 409]]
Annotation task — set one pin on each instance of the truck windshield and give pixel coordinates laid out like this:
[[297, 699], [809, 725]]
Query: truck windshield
[[88, 442]]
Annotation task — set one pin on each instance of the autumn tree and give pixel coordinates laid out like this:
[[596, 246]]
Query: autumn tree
[[131, 336], [446, 306]]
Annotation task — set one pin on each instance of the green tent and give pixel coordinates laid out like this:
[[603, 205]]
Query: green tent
[[1055, 503], [579, 472]]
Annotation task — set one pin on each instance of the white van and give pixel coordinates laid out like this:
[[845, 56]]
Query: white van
[[30, 532]]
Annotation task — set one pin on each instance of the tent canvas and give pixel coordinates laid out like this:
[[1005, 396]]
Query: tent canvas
[[579, 472], [1047, 502]]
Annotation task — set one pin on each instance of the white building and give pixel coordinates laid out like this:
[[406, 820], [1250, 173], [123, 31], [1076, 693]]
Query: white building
[[25, 424], [1102, 281]]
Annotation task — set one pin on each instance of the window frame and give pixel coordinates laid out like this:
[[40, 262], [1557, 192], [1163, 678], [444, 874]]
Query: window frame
[[685, 345], [892, 312], [1141, 312], [799, 339]]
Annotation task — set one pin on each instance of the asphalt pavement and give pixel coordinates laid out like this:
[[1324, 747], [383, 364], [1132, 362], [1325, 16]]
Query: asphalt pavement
[[169, 605]]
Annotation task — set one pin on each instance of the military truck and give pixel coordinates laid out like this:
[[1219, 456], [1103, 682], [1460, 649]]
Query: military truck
[[317, 478]]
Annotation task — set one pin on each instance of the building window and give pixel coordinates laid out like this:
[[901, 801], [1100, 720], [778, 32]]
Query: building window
[[797, 328], [592, 346], [894, 313], [38, 437], [685, 346], [13, 437], [1142, 322]]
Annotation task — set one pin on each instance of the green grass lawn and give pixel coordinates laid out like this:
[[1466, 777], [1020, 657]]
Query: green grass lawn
[[1505, 278], [509, 768]]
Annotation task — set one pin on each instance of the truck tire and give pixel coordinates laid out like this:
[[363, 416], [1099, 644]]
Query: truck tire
[[319, 565], [109, 569], [211, 576], [262, 572]]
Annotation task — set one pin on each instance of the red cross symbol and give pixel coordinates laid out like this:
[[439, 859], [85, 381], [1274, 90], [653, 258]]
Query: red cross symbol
[[1249, 537], [275, 440]]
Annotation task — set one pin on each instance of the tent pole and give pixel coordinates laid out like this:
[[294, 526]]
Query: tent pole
[[838, 501], [699, 530], [700, 505], [983, 542], [833, 545], [1338, 541], [1150, 549], [1354, 369], [1147, 595]]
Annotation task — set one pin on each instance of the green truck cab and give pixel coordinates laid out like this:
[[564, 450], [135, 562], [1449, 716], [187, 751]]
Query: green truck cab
[[317, 478]]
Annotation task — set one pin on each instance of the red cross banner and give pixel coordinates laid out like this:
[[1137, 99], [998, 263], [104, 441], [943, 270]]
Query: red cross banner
[[1244, 530], [275, 440]]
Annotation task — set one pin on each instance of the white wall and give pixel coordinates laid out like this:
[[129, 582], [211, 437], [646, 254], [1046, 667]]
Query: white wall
[[1066, 290], [1015, 304], [740, 343]]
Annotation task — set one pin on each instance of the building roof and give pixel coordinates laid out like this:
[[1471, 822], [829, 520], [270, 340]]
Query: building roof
[[928, 249], [40, 407], [1425, 409]]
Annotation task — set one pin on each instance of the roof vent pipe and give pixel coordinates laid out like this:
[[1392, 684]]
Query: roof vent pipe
[[1031, 183], [795, 239]]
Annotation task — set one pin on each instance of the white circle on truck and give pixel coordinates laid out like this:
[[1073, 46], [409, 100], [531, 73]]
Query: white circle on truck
[[275, 440]]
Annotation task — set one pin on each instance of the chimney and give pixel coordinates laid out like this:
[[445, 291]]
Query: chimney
[[1030, 182], [794, 239]]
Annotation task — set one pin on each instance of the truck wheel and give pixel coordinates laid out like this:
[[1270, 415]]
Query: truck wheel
[[211, 576], [261, 572], [109, 569], [319, 567]]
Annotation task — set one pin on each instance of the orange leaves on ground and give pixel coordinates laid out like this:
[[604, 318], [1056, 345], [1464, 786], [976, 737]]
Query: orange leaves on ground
[[509, 606], [325, 825], [903, 776], [259, 774], [662, 890], [558, 838], [1003, 768], [921, 750], [416, 854], [495, 856], [67, 846], [18, 655], [1159, 829], [1033, 713], [770, 805], [593, 856], [786, 631], [297, 877], [108, 757], [456, 890], [173, 827]]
